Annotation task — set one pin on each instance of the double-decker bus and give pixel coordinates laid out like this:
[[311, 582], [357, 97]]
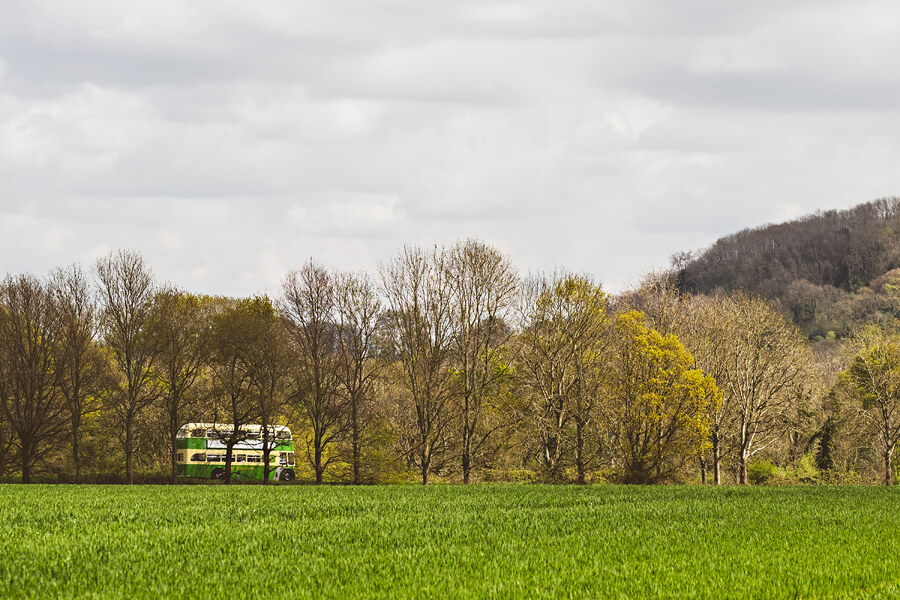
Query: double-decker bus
[[201, 452]]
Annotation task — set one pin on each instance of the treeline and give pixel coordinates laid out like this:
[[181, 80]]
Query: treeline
[[443, 364]]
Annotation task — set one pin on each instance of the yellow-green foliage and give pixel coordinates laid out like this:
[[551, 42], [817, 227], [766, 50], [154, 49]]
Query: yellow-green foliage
[[875, 371], [660, 403]]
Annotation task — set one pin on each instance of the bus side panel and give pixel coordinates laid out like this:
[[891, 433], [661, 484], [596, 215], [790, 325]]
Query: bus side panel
[[244, 470], [249, 471], [205, 470], [254, 471], [195, 470]]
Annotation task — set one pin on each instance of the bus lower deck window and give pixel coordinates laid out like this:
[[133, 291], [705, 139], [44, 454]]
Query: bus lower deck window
[[199, 457]]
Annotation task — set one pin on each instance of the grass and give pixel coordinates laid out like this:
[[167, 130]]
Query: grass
[[448, 542]]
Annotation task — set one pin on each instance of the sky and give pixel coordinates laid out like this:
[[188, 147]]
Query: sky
[[230, 141]]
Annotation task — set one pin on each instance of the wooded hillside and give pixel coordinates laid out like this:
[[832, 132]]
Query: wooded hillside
[[829, 270]]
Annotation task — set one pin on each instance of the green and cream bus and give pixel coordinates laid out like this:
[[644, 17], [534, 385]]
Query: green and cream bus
[[201, 452]]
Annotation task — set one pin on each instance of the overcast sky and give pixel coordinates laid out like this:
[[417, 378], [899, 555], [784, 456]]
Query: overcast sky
[[230, 141]]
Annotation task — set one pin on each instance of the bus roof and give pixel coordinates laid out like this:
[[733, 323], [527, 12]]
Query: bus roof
[[253, 427]]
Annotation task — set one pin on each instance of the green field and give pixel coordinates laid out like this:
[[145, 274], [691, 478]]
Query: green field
[[448, 542]]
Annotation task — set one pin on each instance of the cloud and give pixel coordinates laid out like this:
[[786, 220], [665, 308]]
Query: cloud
[[231, 142]]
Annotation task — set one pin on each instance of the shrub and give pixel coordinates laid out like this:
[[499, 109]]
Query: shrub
[[760, 471]]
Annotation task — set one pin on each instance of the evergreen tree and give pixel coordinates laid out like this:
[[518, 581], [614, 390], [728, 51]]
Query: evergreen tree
[[825, 453]]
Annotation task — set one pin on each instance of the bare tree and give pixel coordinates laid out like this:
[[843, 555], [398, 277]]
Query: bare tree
[[762, 355], [421, 337], [705, 329], [182, 324], [127, 290], [30, 344], [308, 302], [483, 286], [83, 369], [563, 353], [359, 311], [235, 336], [659, 298], [269, 362]]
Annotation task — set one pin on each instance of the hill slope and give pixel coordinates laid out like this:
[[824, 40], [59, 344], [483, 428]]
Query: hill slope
[[829, 270]]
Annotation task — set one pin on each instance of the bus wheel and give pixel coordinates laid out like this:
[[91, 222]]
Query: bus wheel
[[287, 475], [218, 474]]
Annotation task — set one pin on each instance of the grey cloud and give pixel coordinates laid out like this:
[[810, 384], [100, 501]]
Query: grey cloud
[[233, 141]]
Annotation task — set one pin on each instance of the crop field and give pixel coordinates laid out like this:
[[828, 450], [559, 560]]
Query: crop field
[[448, 542]]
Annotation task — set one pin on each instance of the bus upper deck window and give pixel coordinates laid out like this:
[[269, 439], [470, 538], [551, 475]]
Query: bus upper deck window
[[283, 435], [198, 433]]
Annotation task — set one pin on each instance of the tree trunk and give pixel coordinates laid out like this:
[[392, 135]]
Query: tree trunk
[[173, 440], [794, 447], [76, 454], [26, 454], [702, 470], [129, 450], [579, 451], [354, 421], [466, 465], [742, 471], [318, 463], [550, 461], [717, 464], [229, 448], [426, 465], [174, 476], [466, 446], [888, 467], [267, 452], [174, 426], [466, 437]]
